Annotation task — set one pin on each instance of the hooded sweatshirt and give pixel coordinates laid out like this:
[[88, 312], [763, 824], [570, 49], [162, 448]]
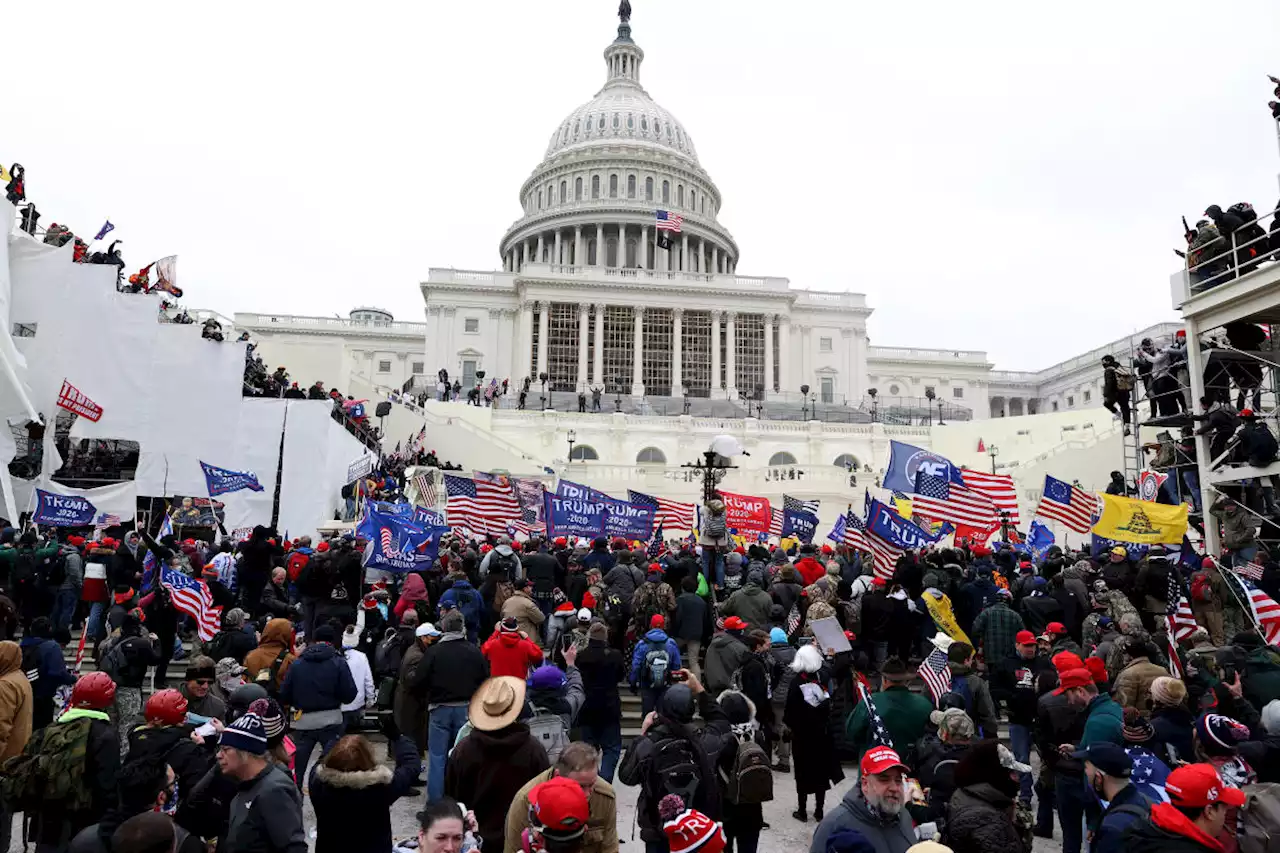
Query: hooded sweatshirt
[[415, 589], [15, 702], [487, 769], [751, 604], [318, 684], [1169, 831], [509, 653], [655, 639], [277, 637]]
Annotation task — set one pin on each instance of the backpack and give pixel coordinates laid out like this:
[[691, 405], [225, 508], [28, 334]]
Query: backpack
[[715, 525], [268, 677], [505, 563], [114, 661], [50, 770], [673, 769], [297, 562], [1258, 823], [1244, 210], [219, 645], [750, 780], [647, 608], [1124, 379], [53, 570], [657, 666], [548, 729], [1263, 446], [960, 688], [1201, 590], [24, 572]]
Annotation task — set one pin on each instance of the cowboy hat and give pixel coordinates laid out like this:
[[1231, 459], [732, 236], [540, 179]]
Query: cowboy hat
[[941, 641], [497, 703]]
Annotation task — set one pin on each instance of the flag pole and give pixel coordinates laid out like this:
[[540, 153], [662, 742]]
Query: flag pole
[[1246, 606]]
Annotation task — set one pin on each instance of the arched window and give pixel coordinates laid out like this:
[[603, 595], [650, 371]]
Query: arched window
[[631, 186], [616, 121], [633, 254], [577, 127], [577, 189], [679, 195], [782, 457], [847, 461], [539, 199], [648, 189], [651, 455], [591, 252], [600, 124], [595, 186], [564, 188], [583, 453], [611, 252], [644, 124], [693, 199], [613, 186], [704, 204], [666, 192], [631, 121]]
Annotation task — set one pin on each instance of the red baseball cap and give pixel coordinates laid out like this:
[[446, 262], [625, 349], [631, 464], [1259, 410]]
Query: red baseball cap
[[559, 805], [1064, 661], [1055, 628], [1073, 678], [1097, 668], [879, 759], [879, 582], [322, 547], [658, 620], [1025, 638], [733, 623], [1198, 785]]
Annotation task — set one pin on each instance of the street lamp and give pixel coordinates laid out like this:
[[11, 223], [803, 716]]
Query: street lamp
[[712, 468], [993, 452], [940, 421], [804, 404], [617, 403], [546, 398], [572, 435], [930, 395], [684, 390], [871, 392]]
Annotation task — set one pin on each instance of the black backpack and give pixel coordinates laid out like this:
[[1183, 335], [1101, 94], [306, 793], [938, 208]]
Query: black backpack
[[387, 655], [504, 564], [219, 646], [115, 660], [674, 769], [750, 779], [24, 571], [1244, 210], [53, 570], [1262, 446]]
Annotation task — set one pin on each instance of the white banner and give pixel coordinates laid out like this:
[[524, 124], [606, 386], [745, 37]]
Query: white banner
[[362, 467]]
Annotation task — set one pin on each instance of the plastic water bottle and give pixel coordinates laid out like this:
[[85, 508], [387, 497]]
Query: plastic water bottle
[[469, 841]]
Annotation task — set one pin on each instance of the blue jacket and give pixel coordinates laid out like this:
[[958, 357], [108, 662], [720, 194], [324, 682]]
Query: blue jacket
[[464, 596], [655, 637], [50, 669], [319, 680], [1105, 722], [1106, 839]]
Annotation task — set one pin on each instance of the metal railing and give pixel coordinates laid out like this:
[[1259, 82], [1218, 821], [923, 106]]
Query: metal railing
[[1226, 258]]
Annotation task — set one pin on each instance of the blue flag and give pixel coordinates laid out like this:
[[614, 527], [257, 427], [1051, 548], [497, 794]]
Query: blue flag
[[799, 524], [572, 516], [1039, 538], [895, 529], [63, 510], [106, 229], [220, 481], [907, 460], [399, 545]]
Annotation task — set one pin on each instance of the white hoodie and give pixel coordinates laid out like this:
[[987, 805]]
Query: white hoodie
[[366, 693]]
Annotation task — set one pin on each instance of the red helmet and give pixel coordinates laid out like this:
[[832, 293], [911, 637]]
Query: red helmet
[[167, 706], [95, 690]]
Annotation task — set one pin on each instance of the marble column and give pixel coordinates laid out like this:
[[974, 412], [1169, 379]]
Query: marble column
[[584, 319], [544, 331], [520, 260], [731, 357], [597, 369], [558, 259], [785, 378], [522, 351], [684, 252], [622, 246], [644, 247], [600, 258], [715, 354], [768, 355], [540, 257], [637, 382], [677, 355], [579, 259]]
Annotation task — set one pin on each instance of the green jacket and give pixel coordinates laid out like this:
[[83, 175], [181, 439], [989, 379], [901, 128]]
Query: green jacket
[[9, 557], [1105, 723], [905, 715]]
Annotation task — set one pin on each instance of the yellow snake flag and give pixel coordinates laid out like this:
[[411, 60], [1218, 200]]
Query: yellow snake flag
[[1143, 522]]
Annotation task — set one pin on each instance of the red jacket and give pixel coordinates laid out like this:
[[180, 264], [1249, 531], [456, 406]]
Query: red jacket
[[810, 569], [511, 654]]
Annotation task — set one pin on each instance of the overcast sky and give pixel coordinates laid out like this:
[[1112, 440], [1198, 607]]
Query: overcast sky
[[1004, 176]]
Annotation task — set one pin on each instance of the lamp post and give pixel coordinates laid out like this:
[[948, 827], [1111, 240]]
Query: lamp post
[[572, 435], [940, 421], [712, 468], [993, 452], [685, 391], [930, 395], [871, 392], [804, 402], [617, 403], [546, 397]]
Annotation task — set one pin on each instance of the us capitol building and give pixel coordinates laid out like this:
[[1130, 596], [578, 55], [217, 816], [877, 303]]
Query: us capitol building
[[587, 295]]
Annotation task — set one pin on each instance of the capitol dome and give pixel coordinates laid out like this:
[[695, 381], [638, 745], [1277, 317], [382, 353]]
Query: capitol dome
[[612, 168]]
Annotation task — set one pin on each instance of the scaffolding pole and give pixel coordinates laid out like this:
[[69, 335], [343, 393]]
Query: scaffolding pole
[[1195, 369]]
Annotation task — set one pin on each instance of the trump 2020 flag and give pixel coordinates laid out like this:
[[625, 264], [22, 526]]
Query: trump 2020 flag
[[106, 229], [220, 481]]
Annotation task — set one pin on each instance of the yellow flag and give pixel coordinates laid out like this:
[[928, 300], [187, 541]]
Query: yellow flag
[[903, 506], [942, 615], [5, 177], [1143, 522]]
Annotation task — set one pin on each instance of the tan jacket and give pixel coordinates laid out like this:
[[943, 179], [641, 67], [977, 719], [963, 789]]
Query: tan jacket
[[602, 826], [1132, 687], [526, 612], [15, 702]]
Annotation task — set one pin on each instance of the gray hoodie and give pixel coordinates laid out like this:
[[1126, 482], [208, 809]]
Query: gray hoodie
[[886, 835], [266, 815], [74, 564]]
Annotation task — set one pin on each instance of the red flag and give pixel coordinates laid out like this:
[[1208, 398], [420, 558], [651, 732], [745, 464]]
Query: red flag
[[72, 400], [746, 512], [982, 448]]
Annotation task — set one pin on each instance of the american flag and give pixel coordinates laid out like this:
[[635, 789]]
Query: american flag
[[656, 543], [941, 500], [669, 221], [485, 505], [1068, 504], [1252, 571], [850, 530], [775, 522], [1149, 774], [667, 513], [885, 554], [879, 734], [426, 483], [798, 505], [998, 487], [529, 493], [108, 519], [936, 674], [193, 598], [1266, 612], [1182, 622]]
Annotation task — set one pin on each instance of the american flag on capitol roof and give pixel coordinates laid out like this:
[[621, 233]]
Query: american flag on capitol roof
[[669, 221]]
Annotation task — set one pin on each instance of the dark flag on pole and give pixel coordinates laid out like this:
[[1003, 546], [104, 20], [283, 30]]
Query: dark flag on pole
[[664, 240]]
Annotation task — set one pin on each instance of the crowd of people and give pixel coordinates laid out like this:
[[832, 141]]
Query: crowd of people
[[497, 678]]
